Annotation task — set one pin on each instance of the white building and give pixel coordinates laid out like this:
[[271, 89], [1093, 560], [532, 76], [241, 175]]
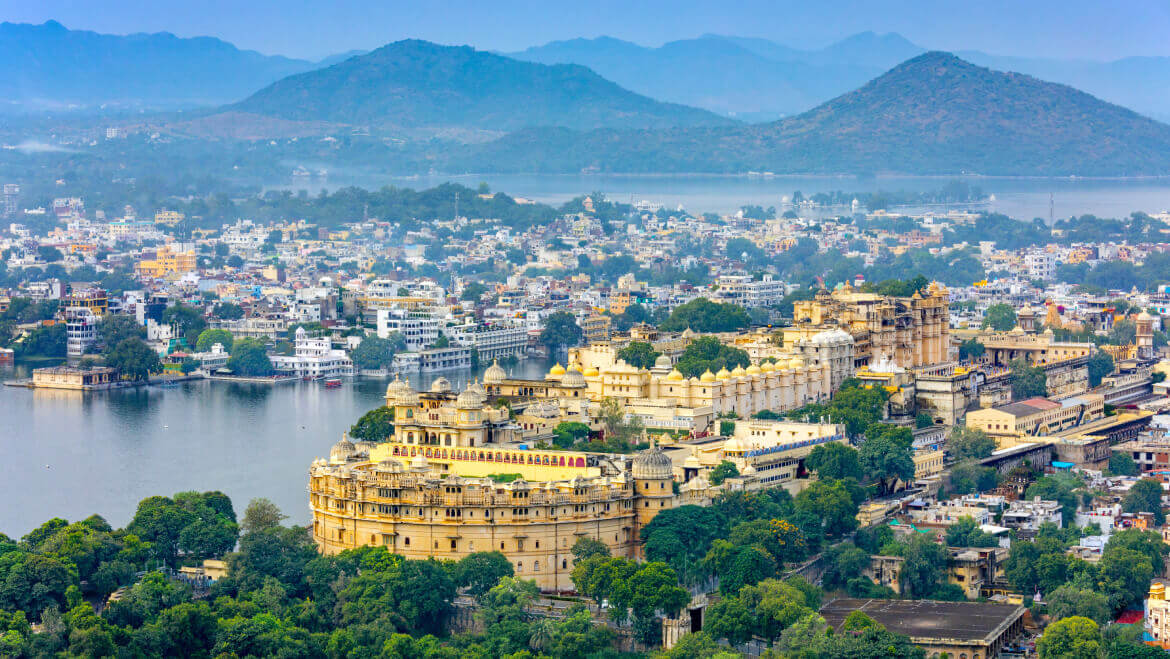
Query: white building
[[313, 358], [748, 292], [81, 329], [418, 329], [1030, 515], [493, 341], [1040, 265]]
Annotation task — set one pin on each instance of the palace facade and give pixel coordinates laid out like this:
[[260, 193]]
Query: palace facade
[[454, 480], [909, 331]]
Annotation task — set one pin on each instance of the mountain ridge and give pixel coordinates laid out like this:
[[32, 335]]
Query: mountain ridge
[[418, 85], [933, 114]]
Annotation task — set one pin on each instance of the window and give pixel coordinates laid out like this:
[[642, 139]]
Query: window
[[406, 541]]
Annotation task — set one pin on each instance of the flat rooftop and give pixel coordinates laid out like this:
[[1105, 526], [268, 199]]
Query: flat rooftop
[[925, 619]]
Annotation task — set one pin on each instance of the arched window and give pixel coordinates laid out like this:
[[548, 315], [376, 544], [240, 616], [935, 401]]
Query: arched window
[[520, 568]]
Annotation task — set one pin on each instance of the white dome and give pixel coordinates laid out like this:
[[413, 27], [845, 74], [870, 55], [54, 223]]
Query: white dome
[[494, 374], [663, 361], [441, 385], [652, 464], [573, 378], [469, 399]]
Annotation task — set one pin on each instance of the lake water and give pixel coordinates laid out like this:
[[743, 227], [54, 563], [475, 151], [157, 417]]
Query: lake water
[[1022, 198], [71, 454]]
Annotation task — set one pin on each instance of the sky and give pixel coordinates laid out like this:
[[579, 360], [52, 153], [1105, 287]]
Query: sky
[[1083, 29]]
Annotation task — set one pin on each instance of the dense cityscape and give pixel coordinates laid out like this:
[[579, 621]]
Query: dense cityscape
[[375, 354]]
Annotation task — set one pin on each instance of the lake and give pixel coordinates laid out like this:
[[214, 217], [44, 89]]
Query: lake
[[71, 454], [1022, 198]]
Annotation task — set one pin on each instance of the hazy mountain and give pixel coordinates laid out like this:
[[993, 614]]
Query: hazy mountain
[[934, 114], [420, 86], [49, 66], [752, 79]]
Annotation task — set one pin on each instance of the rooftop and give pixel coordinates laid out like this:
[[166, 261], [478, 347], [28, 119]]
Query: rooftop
[[920, 619]]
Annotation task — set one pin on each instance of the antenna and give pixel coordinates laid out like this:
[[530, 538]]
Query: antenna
[[457, 206], [1051, 207]]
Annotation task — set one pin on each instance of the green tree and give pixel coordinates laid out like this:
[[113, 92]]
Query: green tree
[[639, 354], [560, 332], [1068, 601], [1100, 364], [1027, 381], [587, 547], [249, 357], [377, 353], [834, 461], [1000, 317], [134, 359], [924, 567], [377, 425], [965, 532], [722, 471], [1121, 464], [968, 477], [971, 349], [707, 353], [210, 337], [1148, 543], [843, 562], [481, 571], [188, 321], [1145, 496], [261, 515], [116, 328], [886, 455], [568, 433], [964, 443], [228, 310], [831, 504], [1075, 637], [704, 316]]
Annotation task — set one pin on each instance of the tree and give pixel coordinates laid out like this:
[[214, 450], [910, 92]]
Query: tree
[[834, 461], [1000, 317], [249, 357], [923, 420], [45, 341], [966, 533], [707, 353], [703, 316], [261, 515], [587, 547], [1145, 496], [1068, 601], [188, 321], [886, 455], [923, 568], [210, 337], [1075, 637], [1100, 364], [377, 353], [969, 443], [843, 562], [377, 425], [481, 571], [971, 349], [568, 433], [639, 354], [560, 331], [134, 359], [229, 310], [1027, 381], [1121, 464], [831, 504], [115, 328], [1148, 543], [722, 471], [1124, 577], [49, 254], [969, 477]]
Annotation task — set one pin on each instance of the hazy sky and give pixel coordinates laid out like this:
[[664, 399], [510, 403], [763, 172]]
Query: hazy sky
[[1092, 29]]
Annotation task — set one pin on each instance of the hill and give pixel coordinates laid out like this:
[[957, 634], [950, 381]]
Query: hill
[[420, 86], [748, 78], [933, 114], [48, 66]]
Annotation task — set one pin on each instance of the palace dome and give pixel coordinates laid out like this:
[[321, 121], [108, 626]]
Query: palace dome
[[398, 389], [591, 372], [389, 466], [753, 370], [441, 385], [767, 367], [675, 376], [419, 463], [556, 371], [469, 399], [494, 374], [663, 361], [573, 378], [723, 374], [652, 464], [707, 376], [342, 451]]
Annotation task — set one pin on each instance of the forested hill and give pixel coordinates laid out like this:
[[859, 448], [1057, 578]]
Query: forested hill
[[933, 114], [415, 84]]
